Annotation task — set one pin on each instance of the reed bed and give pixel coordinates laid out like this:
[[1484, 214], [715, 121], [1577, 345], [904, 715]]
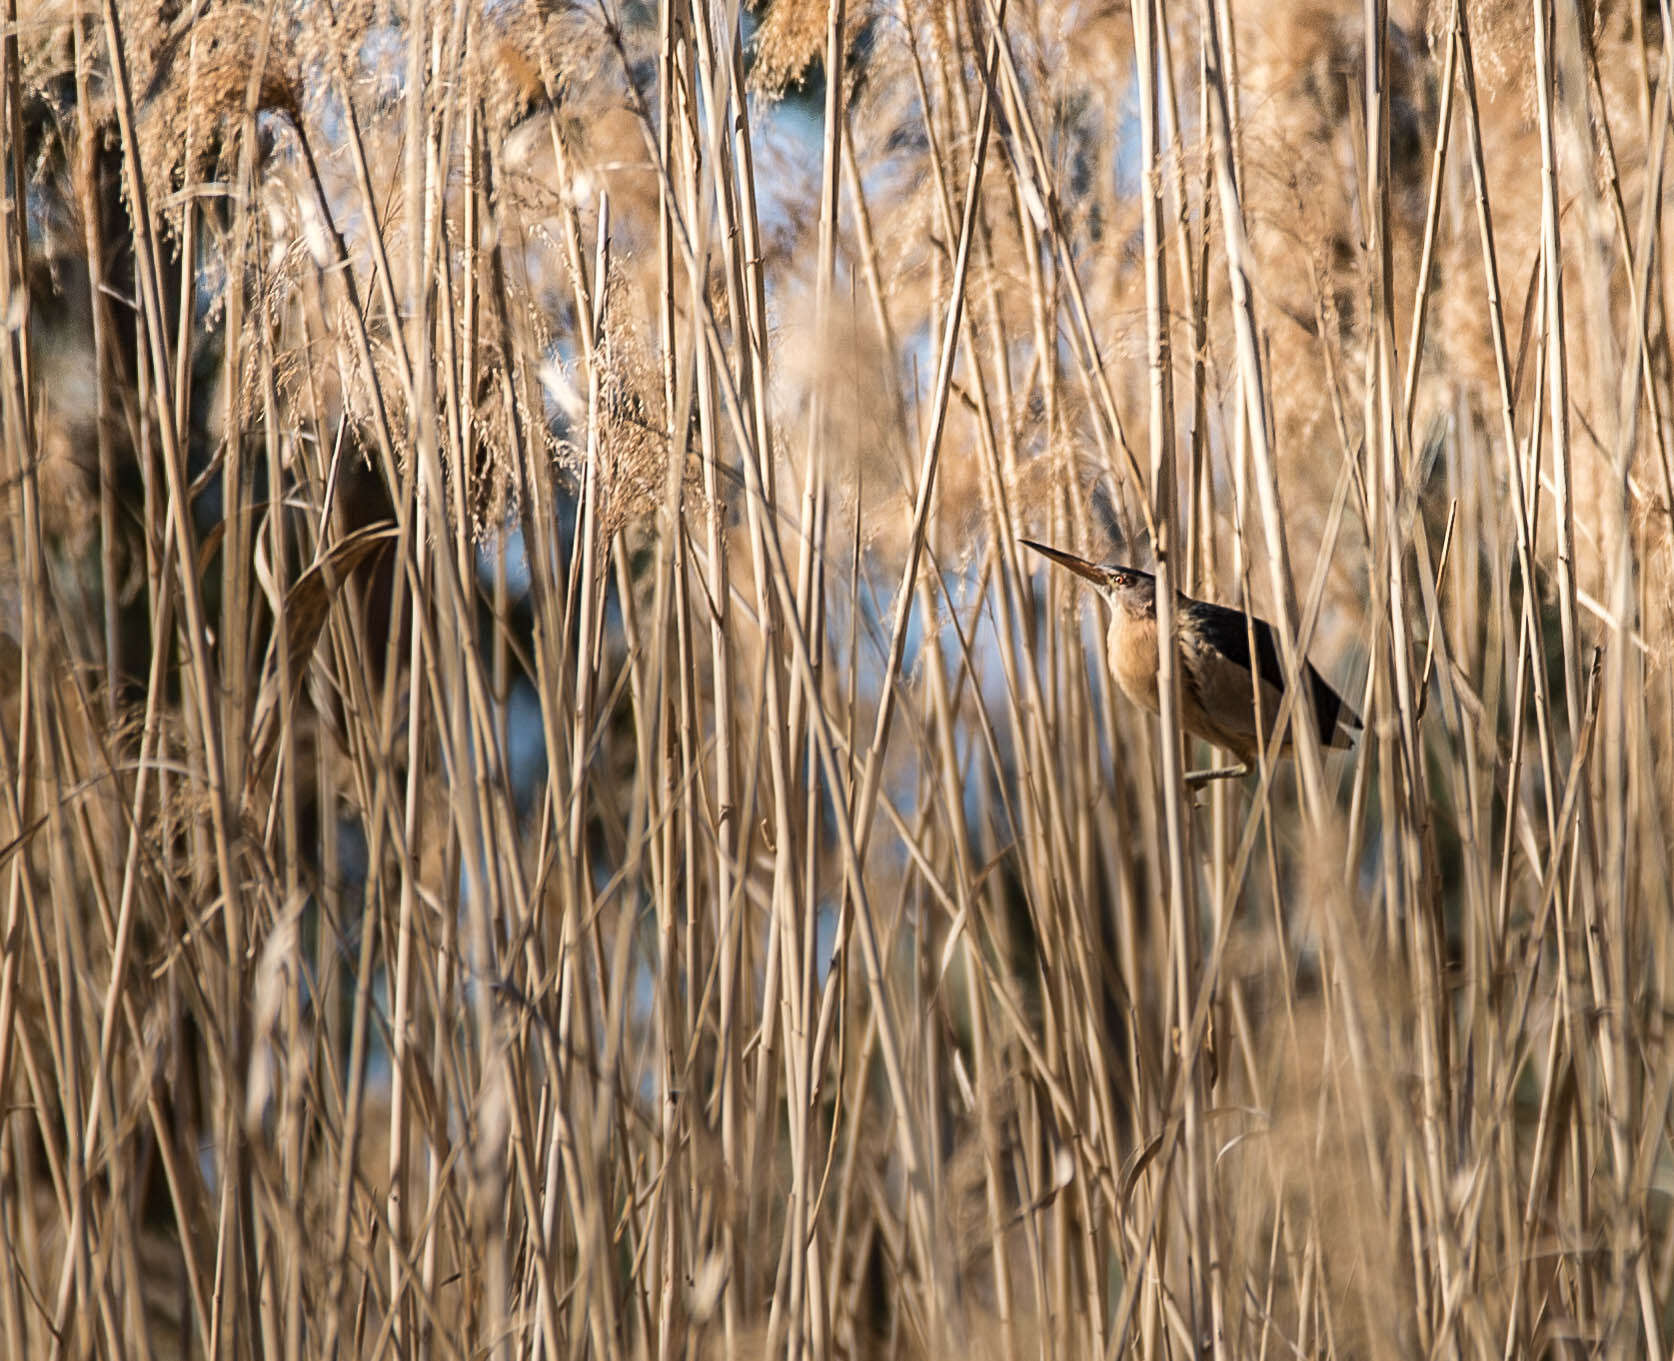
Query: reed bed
[[544, 810]]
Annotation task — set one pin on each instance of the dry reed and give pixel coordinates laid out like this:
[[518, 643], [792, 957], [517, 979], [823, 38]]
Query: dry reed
[[544, 812]]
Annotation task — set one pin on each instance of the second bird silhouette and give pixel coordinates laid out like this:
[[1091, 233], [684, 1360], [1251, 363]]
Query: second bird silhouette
[[1218, 679]]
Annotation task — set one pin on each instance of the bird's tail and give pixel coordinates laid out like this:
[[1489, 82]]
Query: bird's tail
[[1339, 725]]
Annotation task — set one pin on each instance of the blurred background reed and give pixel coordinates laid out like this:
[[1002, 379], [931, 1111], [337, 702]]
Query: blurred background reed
[[545, 813]]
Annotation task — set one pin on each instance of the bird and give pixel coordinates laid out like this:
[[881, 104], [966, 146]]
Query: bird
[[1218, 682]]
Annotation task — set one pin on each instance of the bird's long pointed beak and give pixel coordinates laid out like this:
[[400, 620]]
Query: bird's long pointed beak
[[1080, 566]]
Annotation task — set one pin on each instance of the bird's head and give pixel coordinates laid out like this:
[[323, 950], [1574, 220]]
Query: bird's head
[[1126, 589]]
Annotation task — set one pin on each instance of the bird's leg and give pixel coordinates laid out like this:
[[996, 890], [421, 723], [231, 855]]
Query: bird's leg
[[1196, 779]]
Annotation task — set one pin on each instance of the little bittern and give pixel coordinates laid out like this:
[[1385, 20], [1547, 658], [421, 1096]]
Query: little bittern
[[1218, 683]]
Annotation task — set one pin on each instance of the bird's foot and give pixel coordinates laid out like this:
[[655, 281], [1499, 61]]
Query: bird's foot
[[1196, 779]]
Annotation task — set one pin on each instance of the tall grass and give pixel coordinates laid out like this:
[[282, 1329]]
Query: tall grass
[[545, 811]]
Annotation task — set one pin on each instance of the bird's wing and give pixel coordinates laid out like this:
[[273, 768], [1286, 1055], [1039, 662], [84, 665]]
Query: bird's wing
[[1225, 630], [1215, 649]]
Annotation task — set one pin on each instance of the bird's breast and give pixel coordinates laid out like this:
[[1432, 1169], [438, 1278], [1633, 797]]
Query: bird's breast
[[1133, 658]]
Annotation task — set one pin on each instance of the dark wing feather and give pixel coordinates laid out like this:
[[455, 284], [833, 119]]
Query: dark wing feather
[[1226, 631]]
